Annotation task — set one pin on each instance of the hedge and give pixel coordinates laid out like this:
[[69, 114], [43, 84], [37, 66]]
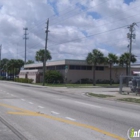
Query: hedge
[[23, 80]]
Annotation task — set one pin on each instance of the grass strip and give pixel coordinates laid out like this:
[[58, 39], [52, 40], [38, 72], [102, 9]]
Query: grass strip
[[77, 85], [100, 95], [134, 100]]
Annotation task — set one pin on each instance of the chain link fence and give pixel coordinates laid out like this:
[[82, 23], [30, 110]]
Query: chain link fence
[[129, 84]]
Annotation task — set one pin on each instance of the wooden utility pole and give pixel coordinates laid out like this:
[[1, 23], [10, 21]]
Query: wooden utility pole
[[25, 41], [45, 52]]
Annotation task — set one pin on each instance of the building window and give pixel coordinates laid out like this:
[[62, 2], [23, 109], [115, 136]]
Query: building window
[[89, 67], [83, 67], [99, 68], [77, 67], [72, 67], [60, 67], [51, 68]]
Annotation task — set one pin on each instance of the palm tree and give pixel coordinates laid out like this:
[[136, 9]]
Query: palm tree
[[11, 66], [4, 62], [124, 60], [95, 57], [111, 59], [40, 55], [20, 63]]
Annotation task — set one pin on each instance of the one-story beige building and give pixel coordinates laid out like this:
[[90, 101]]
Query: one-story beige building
[[74, 70]]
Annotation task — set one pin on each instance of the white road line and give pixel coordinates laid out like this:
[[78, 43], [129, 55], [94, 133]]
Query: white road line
[[70, 118], [55, 112], [40, 106], [23, 99], [31, 103], [88, 104]]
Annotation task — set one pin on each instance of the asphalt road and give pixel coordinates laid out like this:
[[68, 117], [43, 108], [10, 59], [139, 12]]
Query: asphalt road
[[38, 113]]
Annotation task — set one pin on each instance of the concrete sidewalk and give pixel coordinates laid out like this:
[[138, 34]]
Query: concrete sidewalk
[[96, 90], [83, 90]]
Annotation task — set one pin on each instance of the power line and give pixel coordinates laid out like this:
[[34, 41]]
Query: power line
[[101, 25], [93, 35], [105, 24], [89, 36]]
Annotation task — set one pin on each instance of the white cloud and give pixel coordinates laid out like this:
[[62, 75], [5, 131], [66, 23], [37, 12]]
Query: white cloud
[[71, 25]]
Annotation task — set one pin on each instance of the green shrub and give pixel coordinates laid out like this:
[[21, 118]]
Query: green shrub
[[2, 78], [53, 76], [23, 80], [84, 81]]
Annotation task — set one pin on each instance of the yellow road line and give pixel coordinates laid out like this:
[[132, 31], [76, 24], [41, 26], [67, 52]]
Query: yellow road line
[[31, 113]]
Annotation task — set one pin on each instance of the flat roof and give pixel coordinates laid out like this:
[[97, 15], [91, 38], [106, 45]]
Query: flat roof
[[58, 62], [71, 62]]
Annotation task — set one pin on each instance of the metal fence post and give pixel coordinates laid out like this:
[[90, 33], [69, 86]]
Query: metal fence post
[[120, 84]]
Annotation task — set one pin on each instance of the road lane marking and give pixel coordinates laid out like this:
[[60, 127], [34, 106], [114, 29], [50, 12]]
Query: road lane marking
[[23, 99], [31, 103], [31, 113], [70, 118], [55, 112], [40, 106], [88, 104]]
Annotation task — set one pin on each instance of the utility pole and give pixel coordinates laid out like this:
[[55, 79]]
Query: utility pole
[[25, 34], [45, 57], [130, 36], [0, 58]]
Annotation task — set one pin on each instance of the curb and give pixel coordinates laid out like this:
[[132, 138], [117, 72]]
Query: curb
[[109, 98]]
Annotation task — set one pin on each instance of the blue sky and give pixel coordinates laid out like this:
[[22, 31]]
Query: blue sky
[[128, 1]]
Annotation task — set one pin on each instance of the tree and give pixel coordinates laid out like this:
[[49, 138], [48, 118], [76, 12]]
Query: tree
[[111, 59], [124, 60], [30, 62], [20, 64], [4, 62], [40, 55], [14, 66], [53, 76], [95, 57]]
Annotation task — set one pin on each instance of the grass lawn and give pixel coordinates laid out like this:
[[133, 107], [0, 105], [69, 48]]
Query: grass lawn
[[134, 100], [77, 85], [100, 95]]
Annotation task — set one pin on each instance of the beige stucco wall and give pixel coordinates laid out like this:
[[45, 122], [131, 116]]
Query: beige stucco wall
[[75, 75], [21, 76], [32, 77]]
